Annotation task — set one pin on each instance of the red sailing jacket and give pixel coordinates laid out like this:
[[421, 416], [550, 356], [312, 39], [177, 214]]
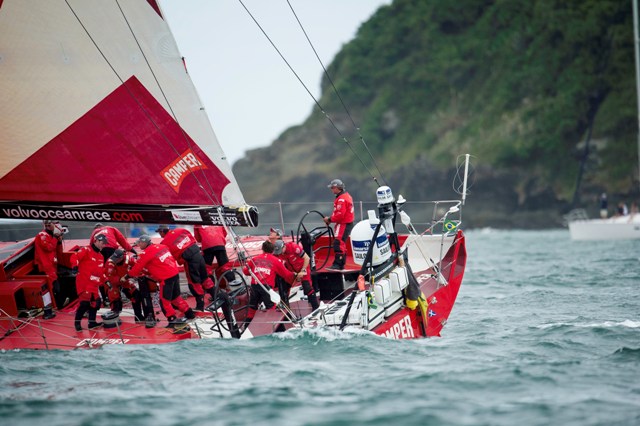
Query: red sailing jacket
[[114, 237], [46, 246], [114, 271], [210, 236], [266, 266], [178, 240], [342, 208], [156, 259], [293, 259], [90, 263]]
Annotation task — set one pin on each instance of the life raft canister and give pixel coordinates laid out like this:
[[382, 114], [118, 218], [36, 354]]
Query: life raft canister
[[361, 236]]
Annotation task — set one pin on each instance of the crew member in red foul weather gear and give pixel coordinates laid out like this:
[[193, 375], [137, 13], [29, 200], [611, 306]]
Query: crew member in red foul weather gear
[[90, 264], [48, 245], [115, 239], [342, 216], [265, 267], [185, 250], [118, 265], [213, 240], [156, 259], [295, 259]]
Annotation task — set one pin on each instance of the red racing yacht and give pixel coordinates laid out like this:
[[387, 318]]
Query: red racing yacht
[[102, 123]]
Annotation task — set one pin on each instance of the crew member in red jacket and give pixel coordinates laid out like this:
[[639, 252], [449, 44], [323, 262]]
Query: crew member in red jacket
[[115, 239], [118, 265], [265, 267], [90, 264], [185, 250], [295, 259], [342, 216], [156, 259], [213, 240], [48, 245], [283, 287]]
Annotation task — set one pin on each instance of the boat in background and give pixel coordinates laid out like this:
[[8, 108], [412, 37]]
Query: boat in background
[[101, 123], [623, 227], [581, 228]]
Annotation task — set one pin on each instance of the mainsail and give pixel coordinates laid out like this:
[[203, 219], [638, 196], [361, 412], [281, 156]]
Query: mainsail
[[102, 122]]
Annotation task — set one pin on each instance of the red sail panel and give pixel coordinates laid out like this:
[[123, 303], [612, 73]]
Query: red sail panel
[[154, 5], [128, 150]]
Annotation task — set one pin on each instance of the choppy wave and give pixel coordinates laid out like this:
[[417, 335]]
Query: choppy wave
[[604, 324]]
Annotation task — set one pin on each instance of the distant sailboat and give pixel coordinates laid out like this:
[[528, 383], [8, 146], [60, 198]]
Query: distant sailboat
[[581, 228]]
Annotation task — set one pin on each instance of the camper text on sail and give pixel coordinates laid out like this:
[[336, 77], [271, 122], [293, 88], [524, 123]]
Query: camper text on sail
[[186, 163]]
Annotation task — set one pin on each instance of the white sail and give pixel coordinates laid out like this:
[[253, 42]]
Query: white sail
[[59, 64]]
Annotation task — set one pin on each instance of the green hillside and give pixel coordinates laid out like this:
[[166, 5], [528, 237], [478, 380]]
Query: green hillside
[[518, 84]]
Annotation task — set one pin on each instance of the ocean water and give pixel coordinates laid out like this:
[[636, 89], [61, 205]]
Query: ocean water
[[545, 331]]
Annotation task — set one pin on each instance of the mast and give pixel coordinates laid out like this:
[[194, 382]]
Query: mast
[[636, 44]]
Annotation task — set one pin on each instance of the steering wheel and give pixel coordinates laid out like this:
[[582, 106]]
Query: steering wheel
[[317, 232]]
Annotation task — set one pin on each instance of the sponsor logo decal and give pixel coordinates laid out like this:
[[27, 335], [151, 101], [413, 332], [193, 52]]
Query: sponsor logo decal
[[100, 342], [61, 213], [175, 172], [183, 242], [186, 216], [401, 330]]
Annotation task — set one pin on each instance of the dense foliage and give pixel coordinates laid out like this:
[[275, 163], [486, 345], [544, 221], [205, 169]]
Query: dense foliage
[[515, 82]]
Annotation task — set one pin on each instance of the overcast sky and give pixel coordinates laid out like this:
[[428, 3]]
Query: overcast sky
[[250, 94]]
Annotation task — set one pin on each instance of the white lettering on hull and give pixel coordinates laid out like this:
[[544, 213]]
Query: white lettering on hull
[[100, 342], [401, 330]]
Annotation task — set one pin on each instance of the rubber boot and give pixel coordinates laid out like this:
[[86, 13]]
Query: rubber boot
[[93, 312], [199, 303], [313, 301], [116, 306], [94, 324], [83, 307], [190, 314], [338, 262], [150, 322], [179, 325], [48, 312], [136, 304], [171, 321]]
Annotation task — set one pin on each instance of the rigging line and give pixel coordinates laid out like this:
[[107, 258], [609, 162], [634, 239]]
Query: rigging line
[[335, 89], [145, 112], [309, 92], [175, 117]]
